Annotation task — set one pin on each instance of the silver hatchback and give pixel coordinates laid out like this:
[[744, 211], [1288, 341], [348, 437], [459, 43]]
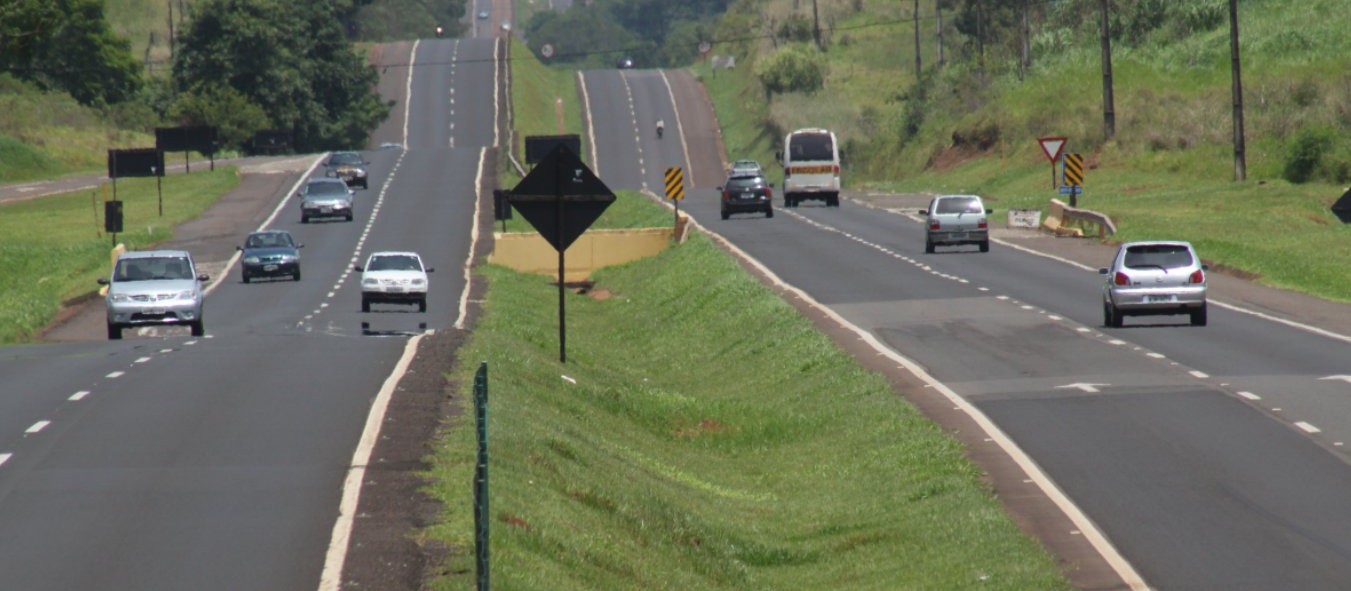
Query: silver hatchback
[[1160, 277], [953, 220], [154, 287]]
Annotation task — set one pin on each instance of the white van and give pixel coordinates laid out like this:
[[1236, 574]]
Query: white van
[[811, 167]]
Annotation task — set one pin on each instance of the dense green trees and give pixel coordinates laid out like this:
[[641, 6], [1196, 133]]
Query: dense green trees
[[288, 58], [653, 32], [67, 45]]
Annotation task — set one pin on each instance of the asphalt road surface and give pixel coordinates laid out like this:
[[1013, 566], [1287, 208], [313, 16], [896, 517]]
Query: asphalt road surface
[[166, 462], [1186, 457]]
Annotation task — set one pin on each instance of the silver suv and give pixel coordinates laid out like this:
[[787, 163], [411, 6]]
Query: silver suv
[[1154, 278], [954, 220], [154, 287]]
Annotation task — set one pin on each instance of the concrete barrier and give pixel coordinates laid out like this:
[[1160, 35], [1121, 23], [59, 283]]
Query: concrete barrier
[[1064, 220]]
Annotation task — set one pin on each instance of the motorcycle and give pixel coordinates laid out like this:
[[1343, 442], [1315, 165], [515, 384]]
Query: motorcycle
[[440, 31], [661, 128]]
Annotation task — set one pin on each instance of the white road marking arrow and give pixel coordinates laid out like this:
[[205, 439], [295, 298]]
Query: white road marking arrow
[[1083, 386], [1346, 379]]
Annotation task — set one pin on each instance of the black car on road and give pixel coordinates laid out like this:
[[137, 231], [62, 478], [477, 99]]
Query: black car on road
[[747, 194]]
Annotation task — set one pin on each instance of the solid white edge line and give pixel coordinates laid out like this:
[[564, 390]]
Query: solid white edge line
[[1221, 303], [497, 94], [473, 240], [590, 122], [1087, 527], [331, 579], [680, 129], [408, 91]]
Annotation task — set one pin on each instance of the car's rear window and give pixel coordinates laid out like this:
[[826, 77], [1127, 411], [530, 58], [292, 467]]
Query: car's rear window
[[394, 263], [811, 146], [338, 188], [1166, 256], [745, 183], [958, 205]]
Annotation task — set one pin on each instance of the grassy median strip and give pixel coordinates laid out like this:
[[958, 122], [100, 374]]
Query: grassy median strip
[[54, 247], [703, 435]]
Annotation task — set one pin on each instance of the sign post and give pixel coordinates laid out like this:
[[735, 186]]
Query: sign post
[[1052, 147], [675, 189], [561, 198]]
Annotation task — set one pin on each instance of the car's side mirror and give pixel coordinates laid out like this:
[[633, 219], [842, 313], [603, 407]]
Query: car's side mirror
[[429, 269], [358, 269], [989, 211], [719, 187], [239, 248], [203, 277], [1102, 271], [923, 212], [1205, 267], [103, 281], [778, 156], [300, 246]]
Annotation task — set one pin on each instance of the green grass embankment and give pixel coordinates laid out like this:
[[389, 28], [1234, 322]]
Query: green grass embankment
[[703, 435], [54, 247]]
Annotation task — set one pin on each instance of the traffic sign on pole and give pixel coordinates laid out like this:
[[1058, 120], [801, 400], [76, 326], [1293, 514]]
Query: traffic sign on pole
[[1052, 147]]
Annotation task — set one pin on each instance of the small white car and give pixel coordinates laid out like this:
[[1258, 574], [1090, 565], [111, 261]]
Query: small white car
[[393, 277]]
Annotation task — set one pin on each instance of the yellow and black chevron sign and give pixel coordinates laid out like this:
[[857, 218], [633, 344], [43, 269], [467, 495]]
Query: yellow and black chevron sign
[[1074, 170], [675, 183]]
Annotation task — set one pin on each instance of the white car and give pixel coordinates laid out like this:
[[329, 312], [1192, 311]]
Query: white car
[[393, 277]]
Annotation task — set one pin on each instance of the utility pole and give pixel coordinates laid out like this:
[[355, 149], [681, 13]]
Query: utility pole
[[1108, 110], [1240, 160], [980, 36], [1026, 62], [919, 65], [816, 26], [938, 12]]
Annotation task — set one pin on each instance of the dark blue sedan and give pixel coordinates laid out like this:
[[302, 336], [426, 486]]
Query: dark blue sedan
[[270, 253]]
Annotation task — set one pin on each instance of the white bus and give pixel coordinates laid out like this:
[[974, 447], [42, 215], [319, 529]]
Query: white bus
[[811, 167]]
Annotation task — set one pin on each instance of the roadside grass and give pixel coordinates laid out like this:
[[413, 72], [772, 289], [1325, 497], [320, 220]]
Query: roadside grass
[[703, 435], [68, 136], [54, 247]]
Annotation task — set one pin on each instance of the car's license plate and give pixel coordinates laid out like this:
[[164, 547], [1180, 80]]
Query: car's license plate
[[1160, 299], [154, 312], [959, 235], [269, 267], [747, 196], [396, 290]]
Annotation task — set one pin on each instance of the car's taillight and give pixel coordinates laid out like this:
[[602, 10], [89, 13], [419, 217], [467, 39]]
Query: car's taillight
[[935, 225], [983, 224], [769, 192], [726, 195], [1121, 279], [1198, 276], [836, 169]]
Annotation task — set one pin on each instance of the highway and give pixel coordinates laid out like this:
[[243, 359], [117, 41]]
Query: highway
[[1206, 458], [166, 462]]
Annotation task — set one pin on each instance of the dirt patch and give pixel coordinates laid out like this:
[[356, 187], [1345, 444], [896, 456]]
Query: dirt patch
[[952, 157]]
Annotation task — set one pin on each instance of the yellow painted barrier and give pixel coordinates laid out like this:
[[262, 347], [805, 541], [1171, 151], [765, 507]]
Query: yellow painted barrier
[[528, 252], [116, 252]]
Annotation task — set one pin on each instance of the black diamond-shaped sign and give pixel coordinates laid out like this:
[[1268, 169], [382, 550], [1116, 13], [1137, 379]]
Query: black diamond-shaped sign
[[561, 197]]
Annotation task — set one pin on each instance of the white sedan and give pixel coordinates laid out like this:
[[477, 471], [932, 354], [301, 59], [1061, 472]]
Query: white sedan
[[393, 277]]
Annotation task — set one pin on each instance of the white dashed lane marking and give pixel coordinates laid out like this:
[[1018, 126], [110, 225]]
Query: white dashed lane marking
[[37, 427]]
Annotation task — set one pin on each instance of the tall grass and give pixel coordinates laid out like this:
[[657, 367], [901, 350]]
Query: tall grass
[[707, 438]]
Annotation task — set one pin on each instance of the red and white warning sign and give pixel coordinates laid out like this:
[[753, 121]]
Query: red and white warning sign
[[1052, 146]]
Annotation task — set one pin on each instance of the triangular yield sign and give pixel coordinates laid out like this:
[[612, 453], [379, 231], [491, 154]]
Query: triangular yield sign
[[1052, 146]]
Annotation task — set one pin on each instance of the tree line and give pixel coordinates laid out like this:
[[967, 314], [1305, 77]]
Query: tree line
[[241, 65]]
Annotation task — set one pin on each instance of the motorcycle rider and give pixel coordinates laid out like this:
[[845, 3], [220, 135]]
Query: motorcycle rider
[[440, 31], [661, 127]]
